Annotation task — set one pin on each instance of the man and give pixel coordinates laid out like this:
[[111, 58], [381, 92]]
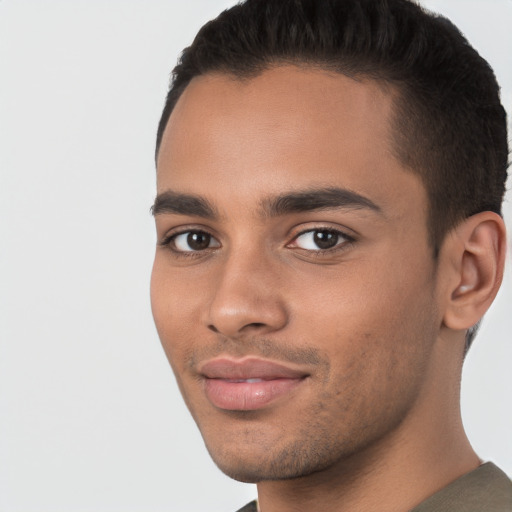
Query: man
[[330, 176]]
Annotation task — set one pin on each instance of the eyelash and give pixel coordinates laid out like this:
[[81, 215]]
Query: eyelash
[[168, 242], [347, 240]]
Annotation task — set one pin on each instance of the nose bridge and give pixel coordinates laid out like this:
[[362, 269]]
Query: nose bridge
[[247, 296]]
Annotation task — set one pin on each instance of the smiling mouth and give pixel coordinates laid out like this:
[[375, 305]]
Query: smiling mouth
[[249, 381], [248, 384]]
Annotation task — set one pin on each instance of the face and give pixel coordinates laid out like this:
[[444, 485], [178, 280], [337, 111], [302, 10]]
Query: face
[[293, 287]]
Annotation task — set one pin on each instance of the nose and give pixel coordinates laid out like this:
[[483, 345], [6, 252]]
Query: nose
[[247, 298]]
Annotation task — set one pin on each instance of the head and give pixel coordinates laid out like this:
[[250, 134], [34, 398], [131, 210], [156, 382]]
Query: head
[[449, 126], [322, 169]]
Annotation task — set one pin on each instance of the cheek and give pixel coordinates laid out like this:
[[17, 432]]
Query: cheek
[[378, 345], [173, 315], [173, 310], [368, 315]]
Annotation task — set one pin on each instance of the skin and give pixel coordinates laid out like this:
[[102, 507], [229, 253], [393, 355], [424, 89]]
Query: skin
[[374, 322]]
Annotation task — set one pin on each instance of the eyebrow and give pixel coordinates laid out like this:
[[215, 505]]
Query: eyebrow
[[317, 199], [283, 204], [183, 204]]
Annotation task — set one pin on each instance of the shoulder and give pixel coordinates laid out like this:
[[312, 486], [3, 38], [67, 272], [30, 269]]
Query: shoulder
[[250, 507], [487, 488]]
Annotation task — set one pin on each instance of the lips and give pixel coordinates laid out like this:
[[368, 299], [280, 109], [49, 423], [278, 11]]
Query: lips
[[248, 384]]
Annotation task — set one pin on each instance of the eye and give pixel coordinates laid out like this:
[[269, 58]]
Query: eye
[[192, 241], [320, 239]]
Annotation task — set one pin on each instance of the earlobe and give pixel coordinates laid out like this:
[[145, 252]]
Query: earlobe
[[478, 255]]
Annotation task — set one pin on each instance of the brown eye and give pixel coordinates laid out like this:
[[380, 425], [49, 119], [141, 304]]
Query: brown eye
[[198, 241], [320, 239], [325, 239], [192, 241]]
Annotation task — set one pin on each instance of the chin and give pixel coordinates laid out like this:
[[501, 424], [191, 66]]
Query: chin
[[259, 464], [256, 472]]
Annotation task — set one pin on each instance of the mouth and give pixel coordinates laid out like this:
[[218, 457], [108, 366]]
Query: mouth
[[248, 384]]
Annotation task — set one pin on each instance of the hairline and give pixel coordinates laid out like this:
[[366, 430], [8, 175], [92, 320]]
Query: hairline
[[396, 90]]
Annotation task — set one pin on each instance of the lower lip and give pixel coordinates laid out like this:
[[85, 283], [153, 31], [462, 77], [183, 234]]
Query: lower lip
[[247, 396]]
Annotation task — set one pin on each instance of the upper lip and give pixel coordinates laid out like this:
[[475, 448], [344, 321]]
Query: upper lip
[[248, 368]]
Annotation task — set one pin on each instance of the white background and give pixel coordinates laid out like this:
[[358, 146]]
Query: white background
[[90, 416]]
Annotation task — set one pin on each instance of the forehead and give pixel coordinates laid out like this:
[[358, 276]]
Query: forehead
[[286, 127]]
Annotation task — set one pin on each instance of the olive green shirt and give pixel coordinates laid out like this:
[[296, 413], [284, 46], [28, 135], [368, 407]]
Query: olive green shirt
[[486, 489]]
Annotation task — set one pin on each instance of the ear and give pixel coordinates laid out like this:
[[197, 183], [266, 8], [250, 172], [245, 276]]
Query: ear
[[476, 251]]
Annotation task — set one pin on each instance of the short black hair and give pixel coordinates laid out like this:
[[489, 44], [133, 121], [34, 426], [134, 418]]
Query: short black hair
[[448, 123]]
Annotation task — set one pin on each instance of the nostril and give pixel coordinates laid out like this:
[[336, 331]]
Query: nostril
[[256, 325], [252, 325]]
